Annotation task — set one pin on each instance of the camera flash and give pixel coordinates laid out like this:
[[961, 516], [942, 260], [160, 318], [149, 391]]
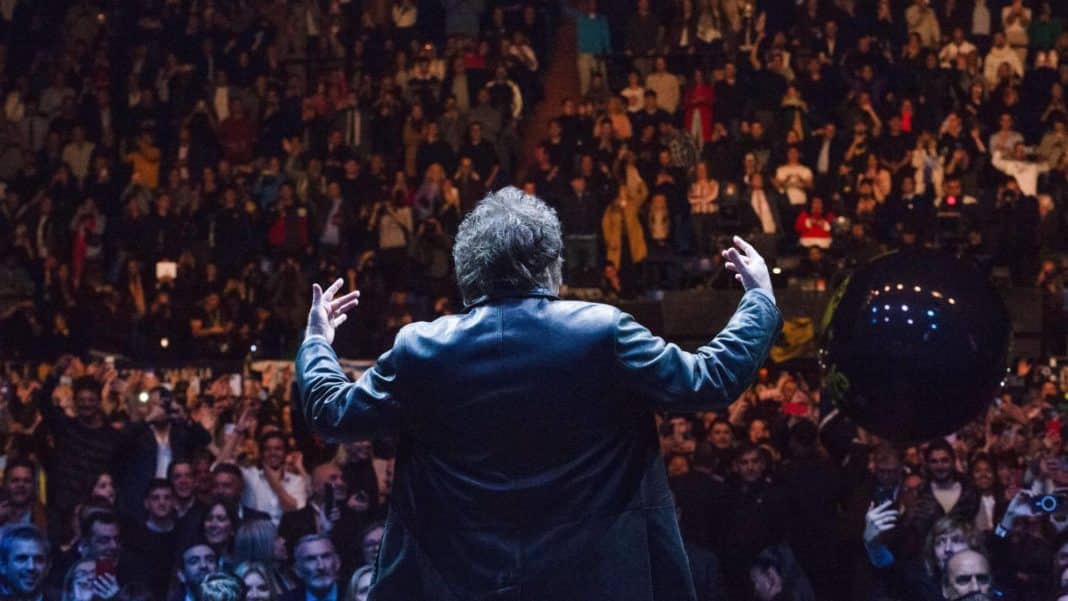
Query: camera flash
[[164, 342], [143, 397]]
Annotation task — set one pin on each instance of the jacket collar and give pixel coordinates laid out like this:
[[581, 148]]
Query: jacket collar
[[497, 294]]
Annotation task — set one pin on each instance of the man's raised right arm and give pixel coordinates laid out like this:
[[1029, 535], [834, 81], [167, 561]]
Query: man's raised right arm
[[334, 407]]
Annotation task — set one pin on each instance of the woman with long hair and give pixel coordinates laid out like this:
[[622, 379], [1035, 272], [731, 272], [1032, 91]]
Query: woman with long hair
[[218, 527], [82, 583], [360, 584], [256, 577], [103, 487], [776, 576], [257, 544], [946, 538], [992, 504]]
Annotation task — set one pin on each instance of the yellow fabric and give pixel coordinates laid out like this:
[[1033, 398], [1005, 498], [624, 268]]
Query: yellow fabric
[[798, 334], [145, 163], [615, 218]]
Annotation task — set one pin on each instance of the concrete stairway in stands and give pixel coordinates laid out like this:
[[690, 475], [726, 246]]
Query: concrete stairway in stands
[[561, 81]]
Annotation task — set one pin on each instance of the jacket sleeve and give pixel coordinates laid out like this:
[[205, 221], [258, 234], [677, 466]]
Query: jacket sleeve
[[338, 409], [713, 377]]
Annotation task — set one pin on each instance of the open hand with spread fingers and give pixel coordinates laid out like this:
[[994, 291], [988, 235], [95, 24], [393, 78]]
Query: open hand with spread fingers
[[879, 520], [327, 312], [748, 266]]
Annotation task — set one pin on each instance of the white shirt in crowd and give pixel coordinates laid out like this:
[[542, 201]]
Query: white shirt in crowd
[[996, 57], [947, 497], [793, 178], [1016, 28], [259, 496], [1025, 172], [952, 50], [759, 201], [980, 19], [163, 453], [221, 103]]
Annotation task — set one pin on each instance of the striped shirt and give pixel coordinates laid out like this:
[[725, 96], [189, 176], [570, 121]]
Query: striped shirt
[[80, 454]]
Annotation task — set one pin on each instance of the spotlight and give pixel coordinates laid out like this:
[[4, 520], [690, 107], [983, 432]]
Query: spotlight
[[776, 270]]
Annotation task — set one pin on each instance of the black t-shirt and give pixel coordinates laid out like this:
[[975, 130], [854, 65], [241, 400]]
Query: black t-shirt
[[482, 156], [161, 547], [894, 148], [80, 453]]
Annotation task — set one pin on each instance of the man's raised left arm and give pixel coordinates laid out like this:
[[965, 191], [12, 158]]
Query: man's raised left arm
[[713, 377]]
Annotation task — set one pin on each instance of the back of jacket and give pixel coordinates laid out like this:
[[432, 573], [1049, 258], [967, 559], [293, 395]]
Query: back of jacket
[[528, 464]]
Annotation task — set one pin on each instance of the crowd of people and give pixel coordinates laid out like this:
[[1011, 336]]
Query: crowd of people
[[791, 500], [826, 131], [175, 173], [133, 484], [122, 484]]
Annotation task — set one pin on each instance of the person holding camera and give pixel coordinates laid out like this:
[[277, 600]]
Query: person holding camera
[[905, 576], [147, 448], [1024, 543], [328, 513]]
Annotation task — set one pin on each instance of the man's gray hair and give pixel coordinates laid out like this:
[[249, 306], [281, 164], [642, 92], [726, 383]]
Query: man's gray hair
[[221, 587], [308, 539], [510, 242]]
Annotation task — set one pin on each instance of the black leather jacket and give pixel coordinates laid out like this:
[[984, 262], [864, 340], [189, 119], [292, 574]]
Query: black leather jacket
[[528, 462]]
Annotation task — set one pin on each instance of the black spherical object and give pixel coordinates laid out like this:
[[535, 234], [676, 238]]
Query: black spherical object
[[915, 345]]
